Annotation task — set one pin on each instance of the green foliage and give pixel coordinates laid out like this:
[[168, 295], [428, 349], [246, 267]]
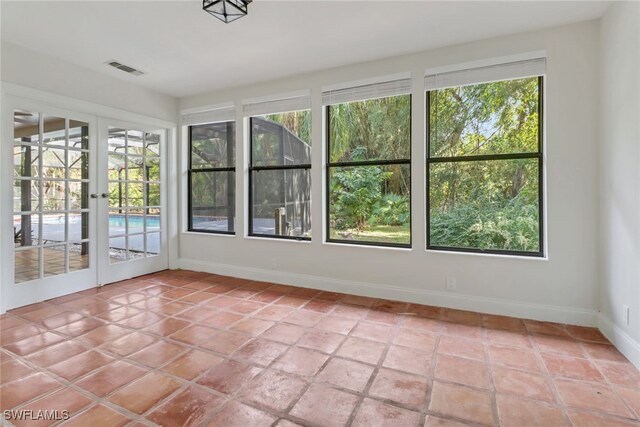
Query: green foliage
[[392, 209], [354, 193], [379, 128], [511, 227], [297, 122]]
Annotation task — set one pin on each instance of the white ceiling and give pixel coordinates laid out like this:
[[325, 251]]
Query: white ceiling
[[186, 51]]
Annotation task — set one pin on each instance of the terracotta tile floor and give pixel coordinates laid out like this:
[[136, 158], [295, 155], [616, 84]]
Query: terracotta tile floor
[[184, 348]]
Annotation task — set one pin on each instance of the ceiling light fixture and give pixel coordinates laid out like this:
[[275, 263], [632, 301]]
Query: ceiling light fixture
[[226, 10]]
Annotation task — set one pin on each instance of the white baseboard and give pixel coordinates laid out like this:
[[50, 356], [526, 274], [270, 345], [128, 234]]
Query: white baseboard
[[623, 341], [550, 313]]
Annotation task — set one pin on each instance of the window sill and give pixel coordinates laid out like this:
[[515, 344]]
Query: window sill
[[275, 239], [480, 254], [367, 246], [204, 233]]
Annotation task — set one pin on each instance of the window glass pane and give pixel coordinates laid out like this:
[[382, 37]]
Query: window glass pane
[[26, 161], [54, 162], [153, 244], [26, 231], [53, 228], [78, 135], [212, 201], [117, 167], [135, 222], [116, 141], [370, 204], [26, 127], [54, 132], [135, 143], [78, 194], [78, 164], [152, 169], [117, 222], [153, 194], [152, 220], [213, 145], [26, 195], [376, 129], [135, 169], [54, 260], [281, 202], [489, 205], [79, 226], [27, 265], [136, 246], [117, 249], [78, 256], [281, 139], [491, 118], [152, 144], [117, 194], [135, 194], [53, 195]]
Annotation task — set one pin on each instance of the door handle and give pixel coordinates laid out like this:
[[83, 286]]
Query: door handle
[[94, 196], [104, 195]]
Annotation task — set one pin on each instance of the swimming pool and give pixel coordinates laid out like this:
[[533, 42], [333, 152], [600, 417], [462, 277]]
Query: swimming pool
[[135, 221]]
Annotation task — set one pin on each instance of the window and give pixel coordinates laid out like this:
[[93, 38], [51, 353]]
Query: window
[[280, 174], [369, 164], [485, 164], [212, 177]]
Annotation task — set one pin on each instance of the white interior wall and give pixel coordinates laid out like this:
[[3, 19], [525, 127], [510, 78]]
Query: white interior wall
[[35, 70], [563, 287], [620, 176]]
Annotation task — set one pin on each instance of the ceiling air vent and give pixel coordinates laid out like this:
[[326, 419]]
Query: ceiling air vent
[[125, 68]]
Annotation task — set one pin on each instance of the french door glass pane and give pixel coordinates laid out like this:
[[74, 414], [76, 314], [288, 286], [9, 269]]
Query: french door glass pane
[[78, 223], [134, 175], [54, 131], [25, 161], [54, 260], [27, 265], [53, 195], [78, 164], [152, 144], [26, 195], [26, 230], [153, 244], [78, 256], [50, 195], [78, 135]]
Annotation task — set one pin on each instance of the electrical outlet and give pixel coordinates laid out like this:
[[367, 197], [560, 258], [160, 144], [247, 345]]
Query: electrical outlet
[[626, 314], [451, 283]]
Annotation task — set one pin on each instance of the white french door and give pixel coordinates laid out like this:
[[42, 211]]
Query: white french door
[[53, 228], [132, 232], [83, 201]]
